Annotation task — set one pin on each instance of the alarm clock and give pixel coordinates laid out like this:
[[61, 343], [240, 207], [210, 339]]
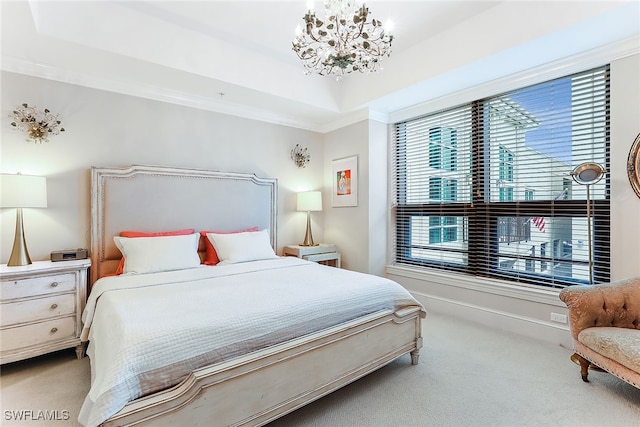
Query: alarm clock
[[69, 254]]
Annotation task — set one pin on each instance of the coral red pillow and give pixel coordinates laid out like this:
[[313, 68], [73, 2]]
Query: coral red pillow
[[186, 231], [211, 254]]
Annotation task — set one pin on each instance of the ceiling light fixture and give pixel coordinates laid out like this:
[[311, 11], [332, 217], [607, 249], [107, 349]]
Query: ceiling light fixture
[[346, 39]]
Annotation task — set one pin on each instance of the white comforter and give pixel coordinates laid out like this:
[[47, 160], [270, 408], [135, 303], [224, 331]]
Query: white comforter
[[148, 332]]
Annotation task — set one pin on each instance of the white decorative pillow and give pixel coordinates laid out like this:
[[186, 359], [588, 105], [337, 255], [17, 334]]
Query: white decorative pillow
[[155, 254], [242, 247]]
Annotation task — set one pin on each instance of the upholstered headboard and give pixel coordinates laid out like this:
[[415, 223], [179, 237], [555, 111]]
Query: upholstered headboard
[[155, 198]]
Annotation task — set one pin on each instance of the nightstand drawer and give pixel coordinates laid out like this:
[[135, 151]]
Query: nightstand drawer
[[34, 286], [323, 253], [38, 333], [321, 258], [37, 309], [302, 251]]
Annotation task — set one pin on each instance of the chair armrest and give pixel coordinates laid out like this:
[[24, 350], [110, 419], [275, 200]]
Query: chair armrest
[[614, 304]]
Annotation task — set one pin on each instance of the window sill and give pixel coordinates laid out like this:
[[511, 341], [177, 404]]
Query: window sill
[[486, 285]]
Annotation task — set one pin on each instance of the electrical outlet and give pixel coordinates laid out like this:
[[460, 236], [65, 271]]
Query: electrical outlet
[[560, 318]]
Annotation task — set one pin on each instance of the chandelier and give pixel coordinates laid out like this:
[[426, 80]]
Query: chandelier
[[37, 125], [347, 39]]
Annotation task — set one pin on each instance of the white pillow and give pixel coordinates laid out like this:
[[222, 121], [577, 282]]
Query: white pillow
[[158, 253], [242, 247]]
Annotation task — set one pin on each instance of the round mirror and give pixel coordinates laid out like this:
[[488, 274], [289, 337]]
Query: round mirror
[[633, 166]]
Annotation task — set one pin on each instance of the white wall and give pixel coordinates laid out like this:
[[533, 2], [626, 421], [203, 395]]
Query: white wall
[[625, 205], [109, 129], [378, 177], [347, 227], [359, 232]]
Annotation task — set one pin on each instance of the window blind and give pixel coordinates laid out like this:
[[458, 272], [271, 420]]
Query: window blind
[[433, 182], [486, 188]]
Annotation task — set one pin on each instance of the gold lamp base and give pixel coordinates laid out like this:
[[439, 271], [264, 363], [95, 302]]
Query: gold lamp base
[[19, 253], [308, 237]]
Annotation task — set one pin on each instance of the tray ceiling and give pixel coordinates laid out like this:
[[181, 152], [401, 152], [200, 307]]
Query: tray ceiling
[[235, 56]]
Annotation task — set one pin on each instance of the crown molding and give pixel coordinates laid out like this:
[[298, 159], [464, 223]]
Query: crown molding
[[551, 70], [554, 69], [156, 93]]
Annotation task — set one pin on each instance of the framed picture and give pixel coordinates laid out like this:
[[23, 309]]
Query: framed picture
[[345, 182]]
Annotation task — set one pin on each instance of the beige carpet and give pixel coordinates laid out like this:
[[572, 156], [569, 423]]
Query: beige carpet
[[467, 376]]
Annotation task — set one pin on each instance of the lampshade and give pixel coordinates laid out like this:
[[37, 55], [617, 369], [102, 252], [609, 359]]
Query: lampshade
[[587, 173], [23, 191], [309, 201]]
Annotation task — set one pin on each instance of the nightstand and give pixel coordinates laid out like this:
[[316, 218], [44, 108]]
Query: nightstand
[[323, 253], [41, 307]]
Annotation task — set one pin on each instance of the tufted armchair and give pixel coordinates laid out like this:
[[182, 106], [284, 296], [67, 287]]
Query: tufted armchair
[[605, 326]]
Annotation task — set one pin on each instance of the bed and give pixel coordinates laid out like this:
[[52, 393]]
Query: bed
[[239, 343]]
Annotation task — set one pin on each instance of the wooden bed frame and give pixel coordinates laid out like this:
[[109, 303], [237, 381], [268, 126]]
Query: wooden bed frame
[[259, 387]]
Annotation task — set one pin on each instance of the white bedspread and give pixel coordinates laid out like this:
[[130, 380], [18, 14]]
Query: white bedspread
[[148, 332]]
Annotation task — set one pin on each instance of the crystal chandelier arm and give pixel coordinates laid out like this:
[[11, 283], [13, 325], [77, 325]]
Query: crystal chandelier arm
[[342, 36], [361, 17], [311, 21], [25, 114]]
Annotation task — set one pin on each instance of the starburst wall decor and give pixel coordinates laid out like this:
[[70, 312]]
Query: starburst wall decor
[[38, 125], [300, 156]]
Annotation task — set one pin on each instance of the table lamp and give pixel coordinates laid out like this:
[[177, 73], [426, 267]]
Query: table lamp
[[309, 201], [22, 191]]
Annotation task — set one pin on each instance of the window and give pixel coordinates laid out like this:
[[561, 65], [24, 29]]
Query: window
[[506, 165], [513, 229], [529, 262], [442, 148], [485, 188], [505, 175], [566, 189], [442, 189], [506, 194]]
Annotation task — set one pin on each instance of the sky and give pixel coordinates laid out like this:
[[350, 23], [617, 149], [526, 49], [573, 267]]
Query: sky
[[544, 101]]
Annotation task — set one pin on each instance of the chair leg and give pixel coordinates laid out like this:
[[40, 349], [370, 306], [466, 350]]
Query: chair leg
[[584, 365]]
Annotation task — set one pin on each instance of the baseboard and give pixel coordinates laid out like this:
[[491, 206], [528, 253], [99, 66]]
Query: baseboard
[[522, 309], [502, 320]]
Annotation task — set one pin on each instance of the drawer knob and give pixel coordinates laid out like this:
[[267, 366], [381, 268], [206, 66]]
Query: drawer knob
[[54, 284], [54, 330], [54, 306]]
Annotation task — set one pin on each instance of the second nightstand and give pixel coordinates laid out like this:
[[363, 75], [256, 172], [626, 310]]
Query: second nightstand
[[323, 253]]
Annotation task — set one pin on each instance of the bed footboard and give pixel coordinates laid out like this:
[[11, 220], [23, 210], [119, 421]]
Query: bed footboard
[[260, 387]]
